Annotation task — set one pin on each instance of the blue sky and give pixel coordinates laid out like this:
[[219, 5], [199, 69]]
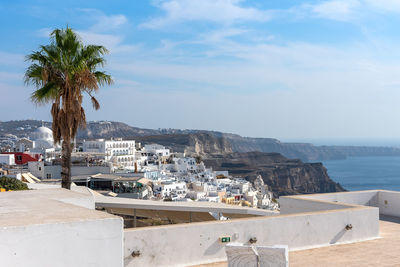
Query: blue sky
[[284, 69]]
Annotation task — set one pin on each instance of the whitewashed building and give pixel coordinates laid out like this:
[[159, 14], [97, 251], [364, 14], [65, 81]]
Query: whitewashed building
[[7, 159], [178, 189], [157, 150], [119, 152]]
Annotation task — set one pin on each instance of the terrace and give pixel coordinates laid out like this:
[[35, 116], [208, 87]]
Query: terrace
[[320, 230]]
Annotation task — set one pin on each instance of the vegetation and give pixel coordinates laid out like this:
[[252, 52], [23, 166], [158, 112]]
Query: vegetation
[[198, 159], [12, 184], [62, 73]]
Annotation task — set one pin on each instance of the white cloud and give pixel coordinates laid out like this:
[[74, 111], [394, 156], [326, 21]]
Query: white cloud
[[298, 80], [114, 43], [103, 31], [102, 22], [385, 5], [107, 23], [342, 10], [220, 11]]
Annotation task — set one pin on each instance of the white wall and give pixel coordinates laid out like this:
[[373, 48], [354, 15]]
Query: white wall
[[196, 243], [8, 159], [366, 198], [55, 170], [39, 170], [82, 243], [58, 227], [82, 170], [389, 203], [292, 205]]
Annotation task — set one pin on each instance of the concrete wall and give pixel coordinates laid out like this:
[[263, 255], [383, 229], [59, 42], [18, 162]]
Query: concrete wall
[[57, 227], [196, 243], [365, 198], [389, 203], [82, 170], [83, 243], [39, 170], [292, 205]]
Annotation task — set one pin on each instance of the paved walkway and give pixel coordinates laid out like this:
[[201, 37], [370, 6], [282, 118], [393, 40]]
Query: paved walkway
[[379, 252]]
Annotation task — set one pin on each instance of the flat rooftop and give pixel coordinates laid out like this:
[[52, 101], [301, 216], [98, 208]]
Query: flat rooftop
[[47, 206], [198, 206], [383, 251]]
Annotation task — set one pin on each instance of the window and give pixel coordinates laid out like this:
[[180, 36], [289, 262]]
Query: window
[[48, 175], [19, 157], [40, 168]]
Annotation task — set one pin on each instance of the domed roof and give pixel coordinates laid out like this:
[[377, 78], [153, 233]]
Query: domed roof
[[43, 130], [43, 133]]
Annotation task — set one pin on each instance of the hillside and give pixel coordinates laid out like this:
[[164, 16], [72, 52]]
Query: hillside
[[220, 151], [186, 140]]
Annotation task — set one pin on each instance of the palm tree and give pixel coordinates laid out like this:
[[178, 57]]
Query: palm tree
[[62, 73]]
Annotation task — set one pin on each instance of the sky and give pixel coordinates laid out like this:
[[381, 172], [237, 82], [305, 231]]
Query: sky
[[292, 70]]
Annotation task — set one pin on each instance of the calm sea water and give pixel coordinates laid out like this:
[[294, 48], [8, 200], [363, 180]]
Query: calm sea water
[[365, 173]]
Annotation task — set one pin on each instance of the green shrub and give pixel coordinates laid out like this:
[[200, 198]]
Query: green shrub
[[12, 184]]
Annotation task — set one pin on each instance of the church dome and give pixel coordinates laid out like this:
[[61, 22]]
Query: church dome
[[43, 133]]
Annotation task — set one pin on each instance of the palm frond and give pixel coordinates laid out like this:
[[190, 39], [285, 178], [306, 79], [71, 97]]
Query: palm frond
[[33, 75], [103, 78], [45, 94], [95, 103]]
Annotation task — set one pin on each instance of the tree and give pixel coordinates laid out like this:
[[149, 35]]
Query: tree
[[62, 73], [12, 184]]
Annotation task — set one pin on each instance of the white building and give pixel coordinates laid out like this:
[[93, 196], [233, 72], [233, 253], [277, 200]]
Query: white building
[[184, 166], [7, 159], [157, 150], [42, 170], [119, 152], [24, 144], [178, 189]]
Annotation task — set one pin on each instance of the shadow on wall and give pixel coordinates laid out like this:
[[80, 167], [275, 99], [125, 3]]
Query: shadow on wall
[[337, 237], [214, 248]]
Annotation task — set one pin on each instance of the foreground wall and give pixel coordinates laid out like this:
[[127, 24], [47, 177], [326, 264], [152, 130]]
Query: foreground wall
[[79, 244], [389, 203], [196, 243], [365, 198], [57, 227]]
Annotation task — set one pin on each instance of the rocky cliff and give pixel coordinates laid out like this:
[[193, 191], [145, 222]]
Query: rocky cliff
[[219, 151], [282, 175], [199, 143], [207, 141]]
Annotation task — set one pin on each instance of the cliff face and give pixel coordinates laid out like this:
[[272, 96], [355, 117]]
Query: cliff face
[[284, 176], [200, 143], [108, 129], [208, 141], [233, 142]]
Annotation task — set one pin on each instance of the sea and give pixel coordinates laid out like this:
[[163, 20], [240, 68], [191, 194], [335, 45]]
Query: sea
[[365, 173]]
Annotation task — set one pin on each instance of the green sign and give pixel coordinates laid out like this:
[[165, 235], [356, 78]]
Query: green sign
[[225, 239]]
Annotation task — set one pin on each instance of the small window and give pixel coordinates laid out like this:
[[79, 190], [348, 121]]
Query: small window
[[40, 168], [48, 176], [19, 157]]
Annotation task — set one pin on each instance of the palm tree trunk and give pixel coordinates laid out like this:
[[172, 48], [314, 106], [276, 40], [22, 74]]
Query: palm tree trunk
[[66, 164]]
